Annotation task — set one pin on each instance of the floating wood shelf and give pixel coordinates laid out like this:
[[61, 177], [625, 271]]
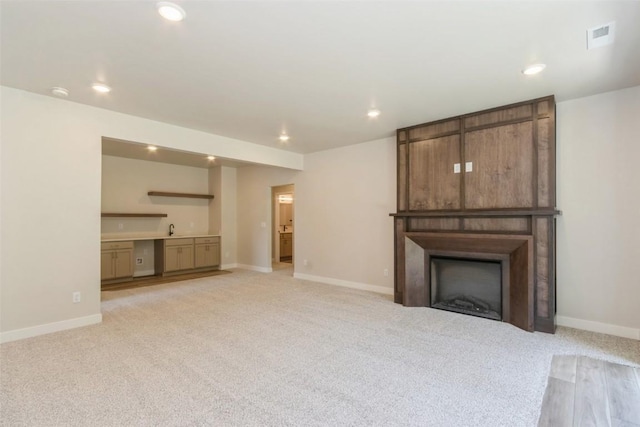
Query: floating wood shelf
[[133, 215], [191, 196]]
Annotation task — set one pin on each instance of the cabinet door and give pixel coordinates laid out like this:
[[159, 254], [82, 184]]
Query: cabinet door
[[215, 253], [502, 175], [203, 256], [186, 257], [285, 247], [433, 183], [171, 258], [107, 270], [123, 262]]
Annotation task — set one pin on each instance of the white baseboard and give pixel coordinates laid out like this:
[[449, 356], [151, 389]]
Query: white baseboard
[[603, 328], [344, 283], [47, 328], [228, 266], [254, 268]]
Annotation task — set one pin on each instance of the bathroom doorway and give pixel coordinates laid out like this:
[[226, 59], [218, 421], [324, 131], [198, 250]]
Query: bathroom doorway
[[283, 226]]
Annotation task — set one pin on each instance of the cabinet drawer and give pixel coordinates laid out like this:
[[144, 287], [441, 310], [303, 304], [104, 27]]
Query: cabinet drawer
[[201, 240], [178, 242], [116, 245]]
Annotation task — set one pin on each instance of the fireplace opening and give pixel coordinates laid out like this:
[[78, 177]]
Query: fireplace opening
[[467, 286]]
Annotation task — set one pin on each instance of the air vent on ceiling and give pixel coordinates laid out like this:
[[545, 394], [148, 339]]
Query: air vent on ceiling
[[601, 35]]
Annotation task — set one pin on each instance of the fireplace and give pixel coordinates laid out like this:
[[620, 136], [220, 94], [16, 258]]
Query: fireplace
[[481, 177], [467, 286], [480, 274]]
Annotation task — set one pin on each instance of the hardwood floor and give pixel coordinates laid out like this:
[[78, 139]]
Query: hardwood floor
[[156, 280], [582, 391]]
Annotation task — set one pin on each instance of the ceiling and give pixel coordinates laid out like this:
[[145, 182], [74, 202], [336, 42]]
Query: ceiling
[[138, 151], [312, 69]]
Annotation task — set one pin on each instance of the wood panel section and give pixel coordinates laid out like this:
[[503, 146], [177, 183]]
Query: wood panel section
[[519, 225], [434, 185], [582, 391], [416, 289], [543, 108], [590, 407], [557, 404], [499, 115], [502, 167], [402, 177], [432, 130], [623, 393], [520, 286], [430, 224], [546, 196], [402, 136], [542, 266], [398, 250]]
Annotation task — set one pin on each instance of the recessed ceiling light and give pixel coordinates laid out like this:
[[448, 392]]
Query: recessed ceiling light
[[151, 148], [60, 92], [211, 157], [101, 87], [373, 113], [171, 11], [284, 137], [533, 69]]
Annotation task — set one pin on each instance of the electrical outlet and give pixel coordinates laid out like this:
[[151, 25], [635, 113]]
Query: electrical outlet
[[138, 261], [75, 297], [192, 224], [120, 226], [305, 262], [386, 272]]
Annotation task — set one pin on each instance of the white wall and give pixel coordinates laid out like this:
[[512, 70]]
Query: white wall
[[125, 183], [342, 224], [51, 173], [598, 258], [228, 217], [254, 209]]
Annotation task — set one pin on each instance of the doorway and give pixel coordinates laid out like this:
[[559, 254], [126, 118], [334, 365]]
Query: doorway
[[283, 227]]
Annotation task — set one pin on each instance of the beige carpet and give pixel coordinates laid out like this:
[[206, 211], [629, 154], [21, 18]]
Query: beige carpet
[[266, 349]]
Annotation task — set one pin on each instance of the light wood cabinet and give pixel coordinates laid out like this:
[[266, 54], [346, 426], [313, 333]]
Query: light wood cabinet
[[286, 245], [178, 255], [207, 252], [116, 260]]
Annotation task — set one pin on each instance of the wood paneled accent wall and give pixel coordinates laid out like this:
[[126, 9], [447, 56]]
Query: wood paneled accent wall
[[487, 172]]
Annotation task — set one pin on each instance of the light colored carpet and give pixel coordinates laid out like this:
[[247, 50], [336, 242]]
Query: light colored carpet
[[266, 349]]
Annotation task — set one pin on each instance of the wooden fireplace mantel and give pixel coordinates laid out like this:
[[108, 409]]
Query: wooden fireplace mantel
[[504, 213], [514, 252]]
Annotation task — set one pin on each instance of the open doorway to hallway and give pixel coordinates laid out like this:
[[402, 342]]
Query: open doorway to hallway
[[283, 227]]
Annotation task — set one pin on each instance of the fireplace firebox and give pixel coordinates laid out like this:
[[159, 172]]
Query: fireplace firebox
[[467, 286]]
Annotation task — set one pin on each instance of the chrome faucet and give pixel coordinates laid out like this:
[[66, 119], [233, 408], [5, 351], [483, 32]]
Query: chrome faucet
[[171, 227]]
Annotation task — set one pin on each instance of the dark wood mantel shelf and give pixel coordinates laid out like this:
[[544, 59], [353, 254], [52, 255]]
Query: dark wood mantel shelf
[[480, 213], [189, 195], [133, 215]]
